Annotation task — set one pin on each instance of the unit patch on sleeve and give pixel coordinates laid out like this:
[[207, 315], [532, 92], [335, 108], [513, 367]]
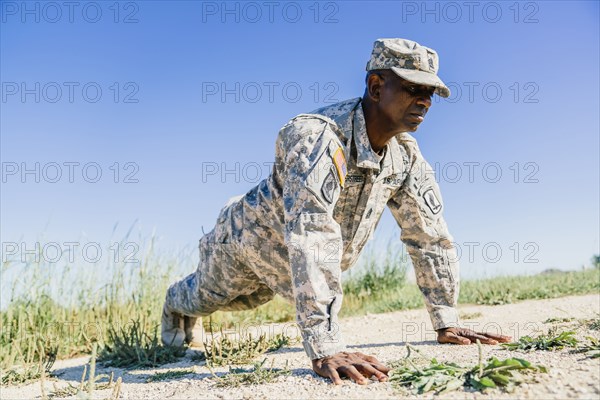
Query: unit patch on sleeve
[[329, 186], [432, 201]]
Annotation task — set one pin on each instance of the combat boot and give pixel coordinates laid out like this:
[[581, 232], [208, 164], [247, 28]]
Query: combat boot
[[194, 332], [172, 328]]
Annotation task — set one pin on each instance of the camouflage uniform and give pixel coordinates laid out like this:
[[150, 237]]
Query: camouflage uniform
[[296, 231]]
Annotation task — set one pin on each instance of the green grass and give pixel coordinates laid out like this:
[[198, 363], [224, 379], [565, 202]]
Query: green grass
[[506, 290], [58, 312]]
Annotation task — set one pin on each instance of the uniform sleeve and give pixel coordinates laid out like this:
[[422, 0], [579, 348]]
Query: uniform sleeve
[[306, 148], [417, 207]]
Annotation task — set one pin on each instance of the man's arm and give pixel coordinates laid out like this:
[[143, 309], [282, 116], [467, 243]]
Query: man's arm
[[311, 187], [310, 164], [417, 207]]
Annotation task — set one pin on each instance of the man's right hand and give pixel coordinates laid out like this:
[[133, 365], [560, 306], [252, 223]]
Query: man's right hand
[[357, 366]]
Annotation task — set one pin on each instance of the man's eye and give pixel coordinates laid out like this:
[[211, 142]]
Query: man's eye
[[412, 89]]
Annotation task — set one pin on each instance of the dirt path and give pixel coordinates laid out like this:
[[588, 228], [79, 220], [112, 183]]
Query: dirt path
[[383, 335]]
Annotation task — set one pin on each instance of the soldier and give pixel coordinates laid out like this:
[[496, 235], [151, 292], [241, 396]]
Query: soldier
[[293, 234]]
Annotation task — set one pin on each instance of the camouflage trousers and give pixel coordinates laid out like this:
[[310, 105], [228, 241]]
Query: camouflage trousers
[[221, 282]]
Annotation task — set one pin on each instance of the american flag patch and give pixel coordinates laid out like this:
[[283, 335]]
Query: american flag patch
[[340, 164]]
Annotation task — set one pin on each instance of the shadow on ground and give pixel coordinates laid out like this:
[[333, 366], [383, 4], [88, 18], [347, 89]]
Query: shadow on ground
[[73, 374]]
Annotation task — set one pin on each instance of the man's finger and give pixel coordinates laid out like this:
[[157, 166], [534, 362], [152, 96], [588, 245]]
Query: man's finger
[[368, 370], [370, 359], [449, 337], [380, 367], [374, 362], [333, 375], [499, 338], [473, 336], [350, 372]]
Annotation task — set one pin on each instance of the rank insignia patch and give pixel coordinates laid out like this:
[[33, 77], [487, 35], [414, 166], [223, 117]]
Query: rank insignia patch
[[393, 180], [329, 186], [340, 165]]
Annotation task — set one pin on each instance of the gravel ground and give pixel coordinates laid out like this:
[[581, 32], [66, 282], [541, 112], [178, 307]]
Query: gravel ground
[[384, 336]]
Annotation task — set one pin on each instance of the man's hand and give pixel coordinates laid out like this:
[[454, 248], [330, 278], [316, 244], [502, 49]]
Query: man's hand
[[467, 336], [357, 366]]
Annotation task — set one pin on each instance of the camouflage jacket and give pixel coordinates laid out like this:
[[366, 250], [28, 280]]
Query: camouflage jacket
[[309, 220]]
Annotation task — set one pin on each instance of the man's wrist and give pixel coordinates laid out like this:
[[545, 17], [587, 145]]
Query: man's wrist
[[316, 350], [319, 342], [443, 317]]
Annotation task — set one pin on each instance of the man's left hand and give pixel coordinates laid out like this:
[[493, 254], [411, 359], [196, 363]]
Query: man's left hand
[[468, 336]]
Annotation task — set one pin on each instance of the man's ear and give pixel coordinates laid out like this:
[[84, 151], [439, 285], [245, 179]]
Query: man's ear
[[374, 84]]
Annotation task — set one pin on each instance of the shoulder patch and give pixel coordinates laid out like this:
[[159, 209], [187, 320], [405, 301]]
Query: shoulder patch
[[329, 186], [340, 165], [432, 201]]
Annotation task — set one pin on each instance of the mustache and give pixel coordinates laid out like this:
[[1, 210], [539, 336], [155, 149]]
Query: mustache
[[420, 111]]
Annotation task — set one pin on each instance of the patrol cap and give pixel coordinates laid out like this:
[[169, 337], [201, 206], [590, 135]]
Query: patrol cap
[[409, 60]]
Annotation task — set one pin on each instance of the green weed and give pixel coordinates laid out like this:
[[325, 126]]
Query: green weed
[[174, 374], [223, 350], [558, 320], [591, 349], [438, 377], [254, 376], [594, 324], [131, 347], [30, 370], [445, 377], [550, 341], [474, 315], [85, 389]]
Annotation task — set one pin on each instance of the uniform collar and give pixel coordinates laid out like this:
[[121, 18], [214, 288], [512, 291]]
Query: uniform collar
[[365, 157], [390, 163], [350, 118]]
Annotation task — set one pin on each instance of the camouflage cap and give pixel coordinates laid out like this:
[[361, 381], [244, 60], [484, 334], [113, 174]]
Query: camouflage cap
[[409, 60]]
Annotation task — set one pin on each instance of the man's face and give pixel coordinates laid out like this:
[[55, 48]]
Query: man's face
[[403, 104]]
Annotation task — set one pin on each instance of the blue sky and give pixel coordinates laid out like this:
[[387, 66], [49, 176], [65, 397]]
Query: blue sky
[[166, 97]]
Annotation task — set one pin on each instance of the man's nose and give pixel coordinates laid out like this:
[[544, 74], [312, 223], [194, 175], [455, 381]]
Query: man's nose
[[424, 99]]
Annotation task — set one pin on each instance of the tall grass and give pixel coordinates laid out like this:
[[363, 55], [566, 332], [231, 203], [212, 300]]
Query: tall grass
[[65, 309], [62, 311], [510, 289]]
